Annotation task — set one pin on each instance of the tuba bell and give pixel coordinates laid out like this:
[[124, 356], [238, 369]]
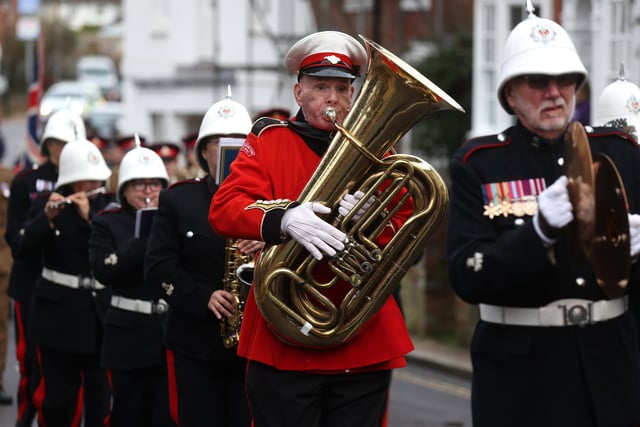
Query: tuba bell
[[300, 305]]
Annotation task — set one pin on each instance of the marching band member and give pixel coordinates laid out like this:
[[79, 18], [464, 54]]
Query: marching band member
[[168, 152], [132, 347], [619, 106], [552, 347], [69, 304], [191, 169], [62, 127], [289, 385], [187, 259]]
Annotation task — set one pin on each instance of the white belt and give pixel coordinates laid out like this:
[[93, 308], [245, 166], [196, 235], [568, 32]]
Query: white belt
[[138, 305], [70, 280], [563, 312]]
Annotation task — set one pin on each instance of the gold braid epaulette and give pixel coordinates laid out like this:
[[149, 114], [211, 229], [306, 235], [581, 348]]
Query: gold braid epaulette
[[268, 205]]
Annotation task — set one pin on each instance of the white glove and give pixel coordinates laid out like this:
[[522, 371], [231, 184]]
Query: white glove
[[350, 200], [315, 234], [634, 234], [554, 210]]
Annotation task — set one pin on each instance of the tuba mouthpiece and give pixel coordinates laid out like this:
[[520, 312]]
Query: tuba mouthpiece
[[330, 114]]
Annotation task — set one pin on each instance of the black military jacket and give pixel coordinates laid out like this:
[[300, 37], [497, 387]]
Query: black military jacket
[[25, 187], [186, 259], [532, 375], [131, 339], [63, 318]]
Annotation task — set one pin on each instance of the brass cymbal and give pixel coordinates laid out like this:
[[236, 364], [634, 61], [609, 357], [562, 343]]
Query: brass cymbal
[[578, 167], [610, 254]]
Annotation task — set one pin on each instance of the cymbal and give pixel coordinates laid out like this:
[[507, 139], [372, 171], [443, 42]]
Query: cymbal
[[578, 167], [610, 254]]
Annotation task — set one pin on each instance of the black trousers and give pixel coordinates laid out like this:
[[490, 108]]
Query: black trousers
[[207, 393], [25, 353], [140, 398], [72, 386], [293, 398]]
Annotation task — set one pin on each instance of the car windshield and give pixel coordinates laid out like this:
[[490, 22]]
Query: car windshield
[[76, 90], [67, 90]]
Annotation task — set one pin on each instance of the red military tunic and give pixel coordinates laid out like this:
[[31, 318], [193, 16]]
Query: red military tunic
[[277, 164]]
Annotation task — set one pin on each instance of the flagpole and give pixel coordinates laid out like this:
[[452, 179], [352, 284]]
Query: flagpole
[[32, 138]]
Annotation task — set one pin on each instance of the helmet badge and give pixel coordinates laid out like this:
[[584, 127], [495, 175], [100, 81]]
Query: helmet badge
[[226, 111], [144, 159], [332, 59], [633, 104], [92, 158], [543, 33]]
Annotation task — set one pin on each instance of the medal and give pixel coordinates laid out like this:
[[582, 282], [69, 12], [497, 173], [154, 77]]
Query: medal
[[517, 208], [491, 211]]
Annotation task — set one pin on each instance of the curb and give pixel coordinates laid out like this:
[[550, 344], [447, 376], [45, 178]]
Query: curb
[[442, 357]]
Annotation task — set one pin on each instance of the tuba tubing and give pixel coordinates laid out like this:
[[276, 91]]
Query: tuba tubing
[[294, 302]]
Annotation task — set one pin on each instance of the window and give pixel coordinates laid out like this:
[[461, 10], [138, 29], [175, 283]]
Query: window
[[416, 5], [351, 6]]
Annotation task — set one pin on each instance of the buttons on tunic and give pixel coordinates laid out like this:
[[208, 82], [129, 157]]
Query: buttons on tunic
[[580, 281], [189, 234]]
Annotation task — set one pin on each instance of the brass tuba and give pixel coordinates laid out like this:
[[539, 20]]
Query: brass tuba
[[289, 292]]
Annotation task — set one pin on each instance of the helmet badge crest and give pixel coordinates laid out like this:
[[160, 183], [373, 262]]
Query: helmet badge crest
[[144, 159], [92, 158], [633, 104], [332, 59], [226, 111], [543, 33]]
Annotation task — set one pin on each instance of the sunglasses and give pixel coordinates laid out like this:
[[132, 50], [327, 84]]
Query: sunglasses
[[542, 81]]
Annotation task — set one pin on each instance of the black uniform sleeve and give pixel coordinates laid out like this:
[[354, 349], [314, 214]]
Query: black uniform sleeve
[[164, 261], [17, 211], [35, 230]]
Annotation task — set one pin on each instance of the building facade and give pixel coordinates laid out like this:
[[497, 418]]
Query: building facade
[[181, 57]]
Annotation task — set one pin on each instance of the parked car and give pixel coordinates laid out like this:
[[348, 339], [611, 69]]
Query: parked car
[[102, 70], [80, 96], [104, 120]]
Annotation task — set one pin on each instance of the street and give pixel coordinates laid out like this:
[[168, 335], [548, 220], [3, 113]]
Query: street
[[427, 398]]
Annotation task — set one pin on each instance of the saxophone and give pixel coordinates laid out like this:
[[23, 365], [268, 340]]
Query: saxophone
[[237, 281]]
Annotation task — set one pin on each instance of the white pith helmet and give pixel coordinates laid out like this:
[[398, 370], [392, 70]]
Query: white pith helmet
[[63, 125], [81, 160], [619, 105], [224, 118], [538, 46], [140, 163]]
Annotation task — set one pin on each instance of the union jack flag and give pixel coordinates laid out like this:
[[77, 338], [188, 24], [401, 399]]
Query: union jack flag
[[32, 139]]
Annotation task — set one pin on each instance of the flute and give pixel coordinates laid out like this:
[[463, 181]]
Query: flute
[[67, 201]]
